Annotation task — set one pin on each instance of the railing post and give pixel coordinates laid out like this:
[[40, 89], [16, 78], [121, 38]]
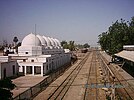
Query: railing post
[[113, 89], [40, 86], [19, 97], [31, 91]]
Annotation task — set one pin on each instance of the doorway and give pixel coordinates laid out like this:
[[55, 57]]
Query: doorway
[[4, 72], [28, 69]]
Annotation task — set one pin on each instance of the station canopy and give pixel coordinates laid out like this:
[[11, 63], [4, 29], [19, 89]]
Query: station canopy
[[129, 55]]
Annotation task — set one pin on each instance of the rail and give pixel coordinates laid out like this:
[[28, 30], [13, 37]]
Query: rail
[[61, 90], [91, 80]]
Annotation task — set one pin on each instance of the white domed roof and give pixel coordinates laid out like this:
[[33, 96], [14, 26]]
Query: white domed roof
[[58, 42], [47, 41], [43, 42], [54, 42], [31, 40]]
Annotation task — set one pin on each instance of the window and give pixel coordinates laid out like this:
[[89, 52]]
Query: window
[[47, 67], [24, 60], [32, 60], [37, 69], [23, 67], [26, 52], [13, 69]]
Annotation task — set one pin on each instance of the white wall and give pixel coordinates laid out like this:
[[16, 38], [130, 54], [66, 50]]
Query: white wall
[[4, 58], [45, 56], [8, 66], [31, 50]]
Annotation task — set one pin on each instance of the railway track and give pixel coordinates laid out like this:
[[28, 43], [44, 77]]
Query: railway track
[[93, 78], [91, 91], [126, 91], [80, 82], [63, 88]]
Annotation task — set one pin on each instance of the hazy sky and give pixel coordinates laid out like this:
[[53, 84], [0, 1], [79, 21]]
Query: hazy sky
[[78, 20]]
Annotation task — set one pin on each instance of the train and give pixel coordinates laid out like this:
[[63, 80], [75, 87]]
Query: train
[[84, 50]]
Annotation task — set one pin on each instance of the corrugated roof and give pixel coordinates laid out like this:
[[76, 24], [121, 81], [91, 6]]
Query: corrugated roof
[[129, 55]]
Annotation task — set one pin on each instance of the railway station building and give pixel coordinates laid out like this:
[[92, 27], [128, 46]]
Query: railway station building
[[38, 55]]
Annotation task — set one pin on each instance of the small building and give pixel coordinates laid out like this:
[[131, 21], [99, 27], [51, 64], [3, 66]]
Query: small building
[[8, 68], [127, 56]]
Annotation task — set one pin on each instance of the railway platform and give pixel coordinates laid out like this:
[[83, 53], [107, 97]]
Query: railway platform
[[119, 69], [125, 79]]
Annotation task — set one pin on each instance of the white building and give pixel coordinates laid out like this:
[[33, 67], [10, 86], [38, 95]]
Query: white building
[[8, 67], [38, 55]]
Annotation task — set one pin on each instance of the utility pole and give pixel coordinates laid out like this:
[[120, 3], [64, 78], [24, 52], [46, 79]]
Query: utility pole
[[35, 41], [35, 29]]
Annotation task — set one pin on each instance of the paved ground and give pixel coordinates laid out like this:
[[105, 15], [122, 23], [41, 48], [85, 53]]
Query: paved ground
[[25, 82]]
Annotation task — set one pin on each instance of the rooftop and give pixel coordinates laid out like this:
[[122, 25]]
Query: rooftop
[[129, 55]]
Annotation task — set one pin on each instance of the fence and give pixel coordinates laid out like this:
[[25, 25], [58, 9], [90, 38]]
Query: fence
[[33, 91]]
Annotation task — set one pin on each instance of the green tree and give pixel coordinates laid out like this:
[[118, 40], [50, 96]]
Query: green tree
[[71, 45], [15, 40], [86, 45], [68, 45], [5, 43], [119, 33], [5, 86], [79, 46], [103, 41], [131, 31], [64, 44]]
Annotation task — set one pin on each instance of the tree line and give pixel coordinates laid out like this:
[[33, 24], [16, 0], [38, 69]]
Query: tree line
[[72, 46], [119, 33]]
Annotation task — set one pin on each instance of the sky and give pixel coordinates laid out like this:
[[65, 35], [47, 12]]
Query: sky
[[78, 20]]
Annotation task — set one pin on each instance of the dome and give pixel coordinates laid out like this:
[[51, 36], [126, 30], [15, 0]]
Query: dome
[[31, 40], [47, 41], [58, 42], [43, 42], [52, 42]]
